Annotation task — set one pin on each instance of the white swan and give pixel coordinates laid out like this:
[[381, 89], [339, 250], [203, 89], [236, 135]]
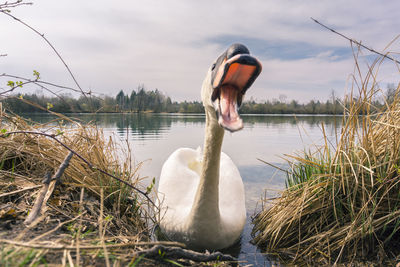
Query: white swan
[[201, 193]]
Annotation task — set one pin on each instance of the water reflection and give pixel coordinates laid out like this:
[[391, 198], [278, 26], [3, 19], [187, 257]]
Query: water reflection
[[149, 124], [311, 120]]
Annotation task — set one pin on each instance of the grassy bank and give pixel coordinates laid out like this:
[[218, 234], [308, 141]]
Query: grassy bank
[[85, 208], [342, 199], [98, 213]]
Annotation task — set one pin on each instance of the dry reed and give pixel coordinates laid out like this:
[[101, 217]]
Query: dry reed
[[87, 209], [342, 202]]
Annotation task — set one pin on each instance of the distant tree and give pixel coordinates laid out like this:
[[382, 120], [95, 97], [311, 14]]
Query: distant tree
[[391, 92], [120, 98], [283, 98], [141, 98], [132, 100]]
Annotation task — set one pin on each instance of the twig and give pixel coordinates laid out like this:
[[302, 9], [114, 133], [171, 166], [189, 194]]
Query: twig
[[70, 261], [92, 247], [5, 6], [179, 253], [356, 42], [19, 191], [37, 207], [272, 165], [78, 234], [16, 86], [38, 82], [62, 167], [52, 136], [47, 190], [101, 228], [5, 12]]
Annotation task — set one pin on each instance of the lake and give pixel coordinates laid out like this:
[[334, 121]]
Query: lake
[[153, 137]]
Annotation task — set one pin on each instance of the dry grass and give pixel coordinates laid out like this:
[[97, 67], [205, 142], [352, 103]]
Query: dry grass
[[342, 202], [89, 219]]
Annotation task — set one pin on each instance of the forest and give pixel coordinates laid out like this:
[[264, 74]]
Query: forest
[[142, 100]]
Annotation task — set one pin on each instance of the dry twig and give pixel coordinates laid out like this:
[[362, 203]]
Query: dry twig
[[356, 42], [87, 247], [20, 191], [180, 253], [47, 190]]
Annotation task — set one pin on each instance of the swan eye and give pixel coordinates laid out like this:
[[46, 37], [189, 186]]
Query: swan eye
[[213, 66]]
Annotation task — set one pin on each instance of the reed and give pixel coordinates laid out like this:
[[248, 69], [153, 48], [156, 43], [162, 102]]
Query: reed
[[88, 209], [342, 201]]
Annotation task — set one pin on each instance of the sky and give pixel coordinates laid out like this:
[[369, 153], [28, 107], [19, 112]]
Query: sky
[[169, 45]]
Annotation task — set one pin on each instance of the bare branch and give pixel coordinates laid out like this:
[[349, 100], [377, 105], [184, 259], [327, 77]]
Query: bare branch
[[16, 86], [47, 190], [43, 85], [39, 83], [356, 42], [6, 6], [7, 12], [37, 207]]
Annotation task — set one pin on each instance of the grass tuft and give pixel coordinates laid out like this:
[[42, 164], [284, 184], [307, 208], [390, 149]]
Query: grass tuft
[[342, 202]]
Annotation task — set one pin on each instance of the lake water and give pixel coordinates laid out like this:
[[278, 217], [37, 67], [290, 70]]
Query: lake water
[[153, 137]]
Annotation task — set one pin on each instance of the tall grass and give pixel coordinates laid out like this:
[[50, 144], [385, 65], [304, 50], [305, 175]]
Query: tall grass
[[342, 201], [87, 208]]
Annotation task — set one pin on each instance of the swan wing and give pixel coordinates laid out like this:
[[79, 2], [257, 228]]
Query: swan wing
[[231, 198], [179, 180]]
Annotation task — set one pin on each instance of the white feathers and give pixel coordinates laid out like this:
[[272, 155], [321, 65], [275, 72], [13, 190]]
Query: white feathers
[[180, 177]]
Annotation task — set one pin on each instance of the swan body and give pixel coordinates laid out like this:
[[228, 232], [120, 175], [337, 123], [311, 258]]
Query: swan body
[[201, 193], [182, 172]]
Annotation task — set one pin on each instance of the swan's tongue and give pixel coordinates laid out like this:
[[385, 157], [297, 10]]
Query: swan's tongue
[[228, 109]]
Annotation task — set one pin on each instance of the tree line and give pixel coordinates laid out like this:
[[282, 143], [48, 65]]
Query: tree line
[[142, 100]]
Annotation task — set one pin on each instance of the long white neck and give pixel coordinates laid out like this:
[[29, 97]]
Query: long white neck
[[205, 209]]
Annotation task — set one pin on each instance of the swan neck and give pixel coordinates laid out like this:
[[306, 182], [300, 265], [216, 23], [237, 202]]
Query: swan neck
[[214, 135], [206, 203]]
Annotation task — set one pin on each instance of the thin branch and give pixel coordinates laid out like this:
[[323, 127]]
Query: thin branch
[[20, 191], [6, 12], [39, 82], [62, 167], [5, 6], [101, 233], [52, 136], [37, 207], [47, 190], [356, 42], [78, 234], [90, 247], [180, 253], [42, 85], [16, 86]]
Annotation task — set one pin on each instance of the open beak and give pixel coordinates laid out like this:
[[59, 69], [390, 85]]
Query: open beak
[[231, 78]]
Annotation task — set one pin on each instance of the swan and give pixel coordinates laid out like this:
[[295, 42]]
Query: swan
[[201, 193]]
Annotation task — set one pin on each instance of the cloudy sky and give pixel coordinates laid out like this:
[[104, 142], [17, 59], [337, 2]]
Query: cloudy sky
[[169, 45]]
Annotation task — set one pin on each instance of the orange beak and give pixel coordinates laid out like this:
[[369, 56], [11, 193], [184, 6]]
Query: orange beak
[[231, 80]]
